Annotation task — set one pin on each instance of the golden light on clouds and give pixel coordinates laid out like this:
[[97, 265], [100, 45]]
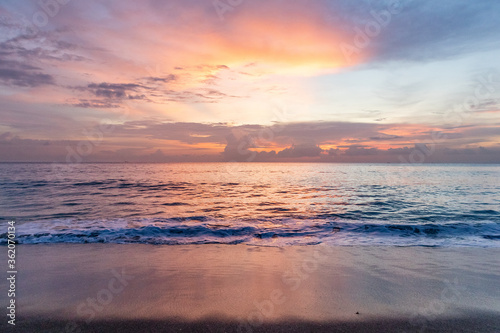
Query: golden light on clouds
[[180, 78]]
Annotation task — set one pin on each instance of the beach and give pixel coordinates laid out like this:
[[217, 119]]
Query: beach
[[241, 288]]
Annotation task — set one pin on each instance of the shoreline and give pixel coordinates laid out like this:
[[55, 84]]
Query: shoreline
[[100, 287], [473, 322]]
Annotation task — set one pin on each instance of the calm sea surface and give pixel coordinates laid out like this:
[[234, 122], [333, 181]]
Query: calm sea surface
[[253, 203]]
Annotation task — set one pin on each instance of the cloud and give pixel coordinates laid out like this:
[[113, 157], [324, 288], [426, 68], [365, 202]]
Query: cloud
[[111, 95], [24, 78], [428, 30], [303, 134], [20, 74], [95, 104], [385, 137], [165, 79], [16, 149], [189, 133], [24, 56], [197, 84], [360, 151], [112, 90], [302, 150], [238, 147], [36, 46]]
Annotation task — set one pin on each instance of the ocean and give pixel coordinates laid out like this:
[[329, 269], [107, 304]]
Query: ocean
[[263, 204]]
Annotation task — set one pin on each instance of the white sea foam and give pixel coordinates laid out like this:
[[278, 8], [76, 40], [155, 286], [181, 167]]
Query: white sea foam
[[270, 232]]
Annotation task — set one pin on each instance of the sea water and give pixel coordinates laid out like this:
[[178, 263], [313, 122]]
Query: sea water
[[269, 204]]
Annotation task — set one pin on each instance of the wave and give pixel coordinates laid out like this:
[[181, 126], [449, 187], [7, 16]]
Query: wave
[[268, 232]]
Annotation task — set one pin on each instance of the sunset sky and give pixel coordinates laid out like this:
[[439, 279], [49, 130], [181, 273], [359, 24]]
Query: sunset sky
[[250, 80]]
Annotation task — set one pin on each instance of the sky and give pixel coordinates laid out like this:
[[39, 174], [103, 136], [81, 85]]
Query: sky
[[400, 81]]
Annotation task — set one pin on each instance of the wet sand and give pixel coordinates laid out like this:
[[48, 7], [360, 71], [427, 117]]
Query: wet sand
[[239, 288]]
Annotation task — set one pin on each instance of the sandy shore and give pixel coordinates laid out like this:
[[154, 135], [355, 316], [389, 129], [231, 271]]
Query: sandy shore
[[216, 288]]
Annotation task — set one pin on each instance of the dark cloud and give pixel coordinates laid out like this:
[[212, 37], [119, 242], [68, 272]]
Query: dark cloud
[[112, 90], [95, 104], [303, 141], [20, 74], [302, 150], [384, 137], [38, 47], [40, 53], [24, 55], [244, 144], [115, 93], [24, 78], [360, 151], [6, 137], [12, 64], [14, 72], [111, 95], [165, 79], [238, 147], [300, 133], [14, 148]]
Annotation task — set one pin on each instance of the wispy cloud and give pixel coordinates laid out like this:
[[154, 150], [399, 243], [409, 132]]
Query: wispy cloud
[[24, 77], [193, 84]]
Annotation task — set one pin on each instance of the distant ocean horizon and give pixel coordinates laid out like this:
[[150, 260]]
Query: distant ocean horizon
[[263, 204]]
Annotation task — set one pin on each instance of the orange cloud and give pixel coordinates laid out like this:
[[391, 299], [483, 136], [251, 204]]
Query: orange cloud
[[280, 37], [289, 37]]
